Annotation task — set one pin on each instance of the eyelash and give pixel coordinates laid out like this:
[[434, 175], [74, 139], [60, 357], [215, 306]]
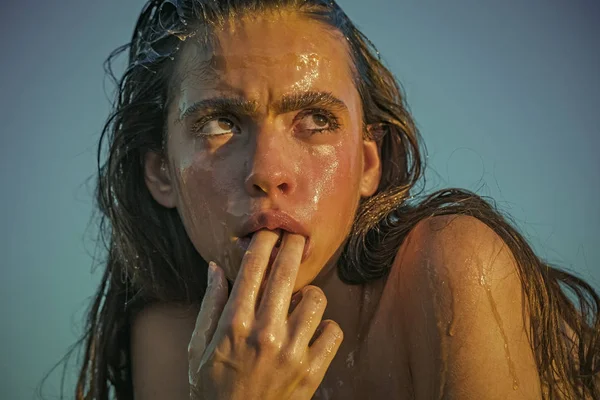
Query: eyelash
[[199, 124], [332, 120]]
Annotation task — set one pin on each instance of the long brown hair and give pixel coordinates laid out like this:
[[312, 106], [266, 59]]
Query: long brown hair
[[150, 258]]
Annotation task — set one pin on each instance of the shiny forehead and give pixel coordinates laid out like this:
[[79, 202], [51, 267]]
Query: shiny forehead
[[282, 47]]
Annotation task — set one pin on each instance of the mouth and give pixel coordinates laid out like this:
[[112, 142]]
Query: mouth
[[276, 221], [244, 242]]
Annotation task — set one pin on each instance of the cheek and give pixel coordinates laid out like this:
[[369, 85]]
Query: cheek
[[204, 189], [206, 182], [333, 173], [193, 202], [207, 191]]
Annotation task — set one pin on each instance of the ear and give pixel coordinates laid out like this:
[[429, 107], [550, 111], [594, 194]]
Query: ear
[[159, 180], [371, 166]]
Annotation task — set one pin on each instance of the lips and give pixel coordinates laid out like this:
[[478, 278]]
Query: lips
[[273, 221]]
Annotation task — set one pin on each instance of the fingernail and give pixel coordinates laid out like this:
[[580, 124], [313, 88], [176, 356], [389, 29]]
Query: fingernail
[[212, 268]]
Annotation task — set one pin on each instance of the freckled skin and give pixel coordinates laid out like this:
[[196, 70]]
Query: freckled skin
[[315, 178]]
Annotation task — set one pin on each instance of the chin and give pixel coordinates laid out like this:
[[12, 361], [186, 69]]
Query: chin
[[301, 282], [307, 275]]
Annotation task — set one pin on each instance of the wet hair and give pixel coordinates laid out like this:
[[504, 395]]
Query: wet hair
[[151, 259]]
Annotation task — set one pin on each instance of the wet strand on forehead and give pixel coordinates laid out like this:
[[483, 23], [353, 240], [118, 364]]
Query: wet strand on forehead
[[173, 18]]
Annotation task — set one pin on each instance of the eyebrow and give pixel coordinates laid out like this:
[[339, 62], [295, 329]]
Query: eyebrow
[[235, 105], [308, 99], [288, 103]]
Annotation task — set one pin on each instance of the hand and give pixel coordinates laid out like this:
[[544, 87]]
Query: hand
[[252, 347]]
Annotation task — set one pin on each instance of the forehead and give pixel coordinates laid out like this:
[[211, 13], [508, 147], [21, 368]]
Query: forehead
[[269, 55]]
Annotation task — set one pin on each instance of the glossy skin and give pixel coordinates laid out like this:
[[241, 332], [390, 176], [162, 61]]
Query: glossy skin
[[242, 342], [273, 161], [228, 163], [290, 141], [403, 349]]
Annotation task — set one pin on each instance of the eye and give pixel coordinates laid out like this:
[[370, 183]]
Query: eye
[[217, 126], [320, 120], [317, 121]]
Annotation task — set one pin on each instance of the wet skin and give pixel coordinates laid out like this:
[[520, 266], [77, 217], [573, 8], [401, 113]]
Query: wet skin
[[241, 341], [255, 143], [268, 125], [272, 125]]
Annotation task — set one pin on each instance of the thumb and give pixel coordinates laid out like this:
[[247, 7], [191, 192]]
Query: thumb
[[212, 306]]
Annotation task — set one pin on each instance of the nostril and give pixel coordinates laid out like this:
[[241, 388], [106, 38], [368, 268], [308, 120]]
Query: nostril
[[283, 187], [259, 184], [259, 188]]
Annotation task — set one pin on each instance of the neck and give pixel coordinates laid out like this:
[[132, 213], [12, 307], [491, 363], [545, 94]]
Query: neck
[[351, 306]]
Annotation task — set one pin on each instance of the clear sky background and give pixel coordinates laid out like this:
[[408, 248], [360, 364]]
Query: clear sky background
[[506, 94]]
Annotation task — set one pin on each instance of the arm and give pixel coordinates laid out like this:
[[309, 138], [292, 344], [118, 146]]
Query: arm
[[463, 313], [160, 335]]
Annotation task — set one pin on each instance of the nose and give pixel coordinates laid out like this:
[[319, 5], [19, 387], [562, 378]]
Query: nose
[[271, 171]]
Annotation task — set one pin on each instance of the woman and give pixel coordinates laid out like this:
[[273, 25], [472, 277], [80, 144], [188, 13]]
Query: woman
[[267, 137]]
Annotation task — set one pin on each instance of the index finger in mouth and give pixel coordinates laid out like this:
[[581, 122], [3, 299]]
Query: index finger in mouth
[[254, 264], [275, 301]]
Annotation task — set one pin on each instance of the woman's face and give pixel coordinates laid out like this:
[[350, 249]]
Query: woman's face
[[266, 130]]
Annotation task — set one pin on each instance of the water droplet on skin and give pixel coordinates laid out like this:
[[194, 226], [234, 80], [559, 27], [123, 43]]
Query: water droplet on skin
[[488, 290], [432, 277], [367, 298], [350, 359], [450, 328], [451, 331], [323, 393]]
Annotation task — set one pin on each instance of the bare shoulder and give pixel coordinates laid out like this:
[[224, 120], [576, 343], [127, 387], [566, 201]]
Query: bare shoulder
[[476, 254], [160, 335], [456, 289]]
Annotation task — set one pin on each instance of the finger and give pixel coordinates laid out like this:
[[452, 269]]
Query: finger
[[306, 317], [210, 312], [327, 342], [247, 284], [275, 301], [296, 297]]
